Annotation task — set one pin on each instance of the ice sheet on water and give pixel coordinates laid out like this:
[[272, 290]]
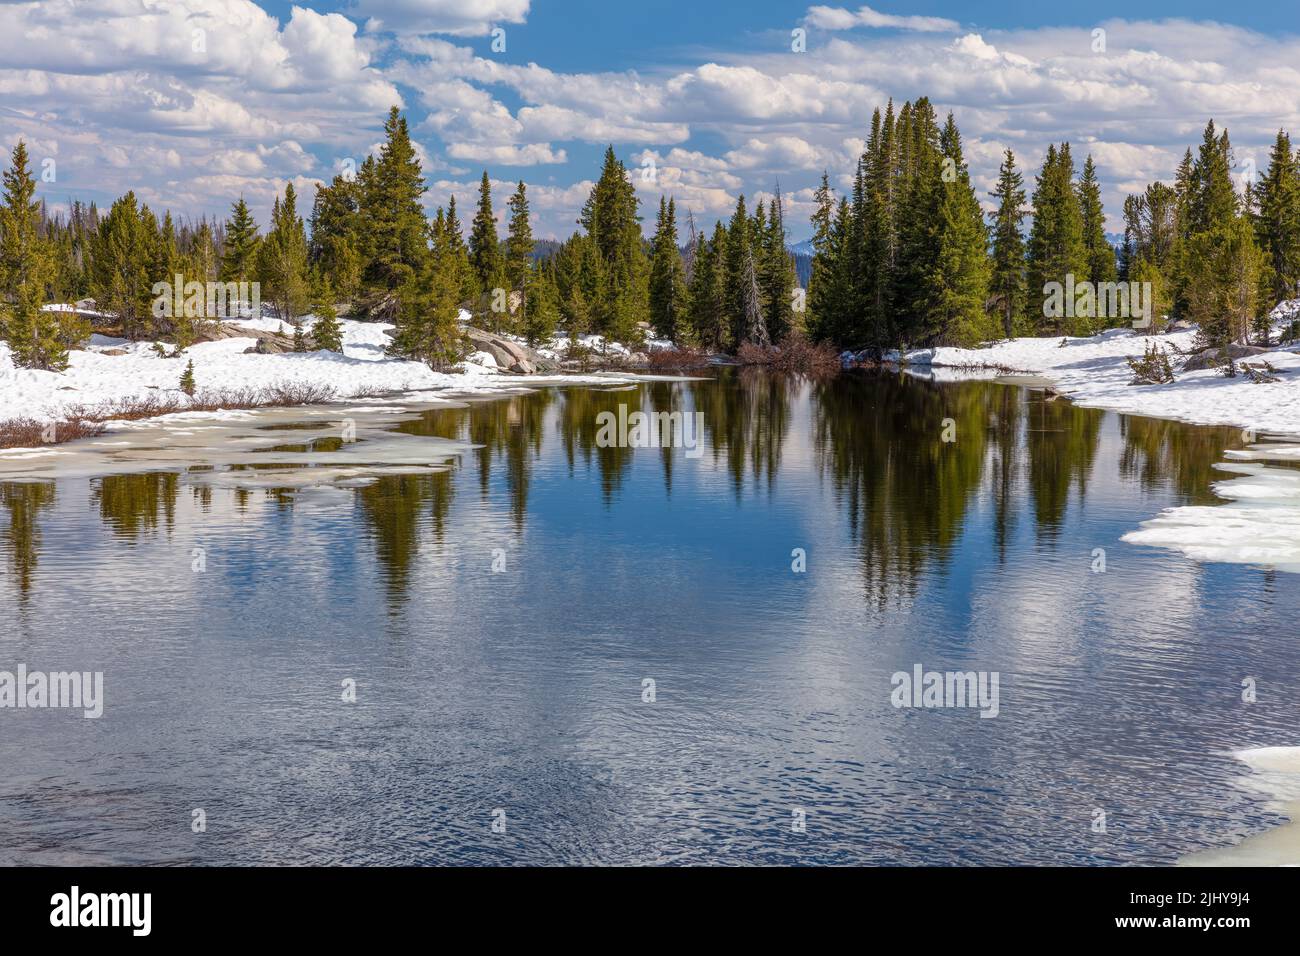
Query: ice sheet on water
[[1274, 774], [1259, 523], [295, 448]]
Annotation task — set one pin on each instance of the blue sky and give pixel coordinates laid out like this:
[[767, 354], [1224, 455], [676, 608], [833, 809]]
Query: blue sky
[[703, 101]]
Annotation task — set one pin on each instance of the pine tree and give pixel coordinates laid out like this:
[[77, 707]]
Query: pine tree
[[326, 332], [390, 205], [1007, 280], [484, 256], [37, 339], [282, 260], [1098, 250], [239, 258], [776, 274], [519, 250], [1056, 249], [120, 280], [1277, 219], [336, 245], [187, 378], [667, 276]]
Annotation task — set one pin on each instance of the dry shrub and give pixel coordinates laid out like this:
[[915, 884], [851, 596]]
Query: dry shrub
[[87, 421], [678, 357], [30, 433], [795, 353]]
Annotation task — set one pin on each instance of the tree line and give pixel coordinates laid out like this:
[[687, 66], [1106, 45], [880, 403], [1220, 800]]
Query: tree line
[[905, 258]]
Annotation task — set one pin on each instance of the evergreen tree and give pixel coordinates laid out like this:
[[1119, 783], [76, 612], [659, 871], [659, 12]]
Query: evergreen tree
[[1100, 254], [37, 339], [484, 256], [326, 332], [668, 294], [282, 260], [708, 302], [610, 218], [957, 286], [822, 318], [187, 378], [120, 280], [1277, 218], [519, 251], [336, 245], [239, 259], [777, 275], [1056, 248], [1007, 280], [390, 204]]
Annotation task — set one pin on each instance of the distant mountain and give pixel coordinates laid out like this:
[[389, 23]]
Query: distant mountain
[[804, 248]]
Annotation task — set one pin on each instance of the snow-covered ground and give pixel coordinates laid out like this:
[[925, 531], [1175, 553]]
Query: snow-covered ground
[[1095, 372], [96, 374]]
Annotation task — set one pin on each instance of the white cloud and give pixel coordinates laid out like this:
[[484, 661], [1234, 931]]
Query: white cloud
[[838, 18], [455, 17]]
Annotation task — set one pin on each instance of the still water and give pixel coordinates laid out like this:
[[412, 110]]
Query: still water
[[502, 613]]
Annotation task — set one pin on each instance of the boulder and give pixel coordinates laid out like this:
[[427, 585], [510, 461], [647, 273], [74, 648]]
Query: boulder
[[510, 356], [1212, 358]]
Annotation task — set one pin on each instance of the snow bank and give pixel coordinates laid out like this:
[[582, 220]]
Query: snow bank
[[1094, 372], [98, 373]]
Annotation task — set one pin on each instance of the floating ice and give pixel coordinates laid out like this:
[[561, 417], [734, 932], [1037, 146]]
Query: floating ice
[[1276, 775], [1260, 525], [293, 448]]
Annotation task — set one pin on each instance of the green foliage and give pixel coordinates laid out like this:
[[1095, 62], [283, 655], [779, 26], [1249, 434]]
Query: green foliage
[[239, 257], [282, 260], [1007, 278], [1154, 368], [187, 378], [1056, 246], [37, 339], [327, 333], [668, 293]]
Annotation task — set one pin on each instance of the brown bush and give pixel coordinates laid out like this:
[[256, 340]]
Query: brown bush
[[678, 357], [795, 353], [29, 433]]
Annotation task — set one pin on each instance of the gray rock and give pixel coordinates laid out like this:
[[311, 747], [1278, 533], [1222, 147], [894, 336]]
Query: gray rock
[[1212, 358]]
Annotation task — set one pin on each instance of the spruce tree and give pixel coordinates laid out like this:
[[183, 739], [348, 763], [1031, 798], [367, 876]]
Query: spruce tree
[[187, 378], [120, 280], [1007, 280], [37, 339], [239, 256], [958, 285], [326, 332], [519, 250], [667, 276], [1277, 218], [1056, 249], [336, 248], [282, 260], [390, 204], [1100, 254], [776, 274], [484, 256]]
